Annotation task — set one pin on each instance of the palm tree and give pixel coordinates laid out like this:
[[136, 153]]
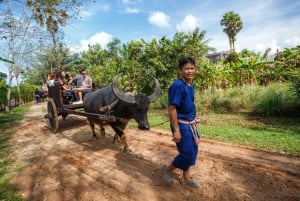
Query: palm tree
[[53, 14], [197, 45], [47, 13], [232, 25]]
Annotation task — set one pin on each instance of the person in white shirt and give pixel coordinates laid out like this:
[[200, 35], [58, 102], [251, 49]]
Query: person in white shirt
[[84, 87]]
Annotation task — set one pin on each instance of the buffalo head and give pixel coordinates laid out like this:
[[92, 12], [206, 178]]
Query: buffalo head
[[136, 105]]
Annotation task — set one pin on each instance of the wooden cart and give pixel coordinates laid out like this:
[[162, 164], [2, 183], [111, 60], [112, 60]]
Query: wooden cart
[[58, 105]]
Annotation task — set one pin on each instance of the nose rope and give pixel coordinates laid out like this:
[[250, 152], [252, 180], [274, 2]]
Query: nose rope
[[159, 124]]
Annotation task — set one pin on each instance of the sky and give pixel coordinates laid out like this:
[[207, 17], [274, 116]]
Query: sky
[[266, 23]]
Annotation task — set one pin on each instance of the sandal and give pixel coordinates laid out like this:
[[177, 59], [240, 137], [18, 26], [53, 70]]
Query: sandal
[[192, 183], [167, 178]]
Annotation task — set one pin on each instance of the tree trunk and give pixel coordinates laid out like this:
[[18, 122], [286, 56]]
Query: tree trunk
[[7, 100], [18, 88], [55, 53], [10, 73], [230, 44]]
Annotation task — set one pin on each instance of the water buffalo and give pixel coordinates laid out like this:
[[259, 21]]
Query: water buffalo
[[122, 105]]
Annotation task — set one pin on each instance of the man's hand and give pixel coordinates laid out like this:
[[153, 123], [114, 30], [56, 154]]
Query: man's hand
[[176, 136]]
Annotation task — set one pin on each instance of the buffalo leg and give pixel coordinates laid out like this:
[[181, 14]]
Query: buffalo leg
[[92, 125], [118, 128], [102, 130], [116, 139], [122, 137], [126, 146]]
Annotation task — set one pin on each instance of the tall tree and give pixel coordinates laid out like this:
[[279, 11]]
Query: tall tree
[[233, 24], [47, 12], [37, 72], [3, 87], [52, 14], [18, 41]]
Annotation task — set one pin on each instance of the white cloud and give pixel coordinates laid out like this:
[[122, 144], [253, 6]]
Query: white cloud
[[125, 1], [104, 7], [267, 24], [131, 10], [94, 10], [85, 14], [159, 19], [274, 34], [101, 38], [131, 1], [292, 42], [188, 24], [262, 47], [267, 27]]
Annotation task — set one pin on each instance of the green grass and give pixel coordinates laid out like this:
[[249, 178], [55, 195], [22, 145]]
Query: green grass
[[7, 165], [278, 140], [273, 134]]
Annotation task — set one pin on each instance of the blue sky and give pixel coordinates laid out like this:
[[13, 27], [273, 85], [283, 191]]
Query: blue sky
[[267, 23]]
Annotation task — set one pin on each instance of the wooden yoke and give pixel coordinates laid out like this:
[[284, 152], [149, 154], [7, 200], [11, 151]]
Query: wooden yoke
[[107, 108]]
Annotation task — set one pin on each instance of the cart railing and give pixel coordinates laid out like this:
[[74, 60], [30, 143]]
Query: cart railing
[[56, 95]]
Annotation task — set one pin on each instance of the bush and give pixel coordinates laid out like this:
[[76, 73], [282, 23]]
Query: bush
[[219, 104], [161, 102], [275, 100], [295, 87], [232, 99]]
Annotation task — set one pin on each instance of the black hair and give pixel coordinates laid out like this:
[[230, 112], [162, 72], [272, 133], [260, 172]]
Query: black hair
[[185, 60], [59, 73]]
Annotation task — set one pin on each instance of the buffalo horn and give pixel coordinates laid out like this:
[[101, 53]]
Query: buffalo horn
[[123, 96], [156, 92]]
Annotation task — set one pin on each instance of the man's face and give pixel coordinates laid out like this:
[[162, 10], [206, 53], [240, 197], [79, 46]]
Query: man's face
[[83, 73], [188, 71]]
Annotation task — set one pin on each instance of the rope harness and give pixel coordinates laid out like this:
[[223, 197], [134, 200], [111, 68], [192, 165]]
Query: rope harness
[[159, 124]]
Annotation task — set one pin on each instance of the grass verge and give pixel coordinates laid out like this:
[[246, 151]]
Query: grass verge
[[280, 134], [8, 166]]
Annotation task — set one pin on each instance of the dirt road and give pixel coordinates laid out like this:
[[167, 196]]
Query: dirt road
[[71, 166]]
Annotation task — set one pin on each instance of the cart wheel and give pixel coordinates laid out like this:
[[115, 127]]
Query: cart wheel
[[52, 115]]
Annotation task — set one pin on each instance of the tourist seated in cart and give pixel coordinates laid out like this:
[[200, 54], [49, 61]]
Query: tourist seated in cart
[[66, 86], [70, 81], [84, 85], [51, 79]]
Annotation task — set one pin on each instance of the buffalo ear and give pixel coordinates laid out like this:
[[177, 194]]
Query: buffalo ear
[[156, 92], [120, 94]]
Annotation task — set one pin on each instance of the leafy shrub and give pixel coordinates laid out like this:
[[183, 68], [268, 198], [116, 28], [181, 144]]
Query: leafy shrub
[[295, 87], [275, 100], [161, 102], [233, 99], [220, 104]]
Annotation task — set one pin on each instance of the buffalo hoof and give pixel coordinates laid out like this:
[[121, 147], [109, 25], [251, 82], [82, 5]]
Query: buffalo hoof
[[127, 149], [116, 139]]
